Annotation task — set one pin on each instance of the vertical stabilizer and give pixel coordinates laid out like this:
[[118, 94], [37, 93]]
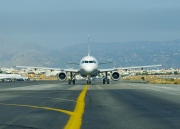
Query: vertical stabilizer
[[88, 47]]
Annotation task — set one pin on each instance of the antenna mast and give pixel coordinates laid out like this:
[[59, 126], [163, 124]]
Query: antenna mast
[[88, 47]]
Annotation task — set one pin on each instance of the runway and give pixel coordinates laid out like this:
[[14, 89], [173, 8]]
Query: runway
[[56, 105]]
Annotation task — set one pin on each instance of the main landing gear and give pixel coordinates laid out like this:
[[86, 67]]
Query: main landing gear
[[106, 80], [72, 79]]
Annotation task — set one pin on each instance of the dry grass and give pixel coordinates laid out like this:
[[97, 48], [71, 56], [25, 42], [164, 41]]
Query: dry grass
[[42, 77], [154, 79]]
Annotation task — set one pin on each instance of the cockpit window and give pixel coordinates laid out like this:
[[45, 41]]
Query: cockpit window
[[91, 61]]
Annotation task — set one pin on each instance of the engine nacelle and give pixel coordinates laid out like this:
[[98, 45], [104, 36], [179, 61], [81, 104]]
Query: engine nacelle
[[115, 76], [62, 76]]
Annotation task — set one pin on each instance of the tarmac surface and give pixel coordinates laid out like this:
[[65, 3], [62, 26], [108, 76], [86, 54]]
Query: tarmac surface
[[54, 104]]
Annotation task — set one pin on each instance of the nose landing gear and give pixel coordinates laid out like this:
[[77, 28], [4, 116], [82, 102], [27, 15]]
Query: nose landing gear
[[88, 82], [88, 79]]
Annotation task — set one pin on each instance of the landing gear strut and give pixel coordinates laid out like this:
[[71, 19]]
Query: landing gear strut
[[89, 80], [106, 79], [72, 79]]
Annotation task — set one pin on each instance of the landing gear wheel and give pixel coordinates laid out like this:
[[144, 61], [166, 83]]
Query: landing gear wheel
[[73, 81], [69, 82], [107, 81], [88, 82], [104, 81]]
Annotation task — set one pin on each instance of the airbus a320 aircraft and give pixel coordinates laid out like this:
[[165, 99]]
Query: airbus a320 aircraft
[[89, 68]]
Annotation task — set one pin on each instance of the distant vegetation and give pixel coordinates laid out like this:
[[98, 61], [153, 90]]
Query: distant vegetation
[[154, 79], [167, 73], [41, 77]]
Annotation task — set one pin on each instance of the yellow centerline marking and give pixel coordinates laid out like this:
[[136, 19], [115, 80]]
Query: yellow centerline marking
[[75, 120], [40, 107]]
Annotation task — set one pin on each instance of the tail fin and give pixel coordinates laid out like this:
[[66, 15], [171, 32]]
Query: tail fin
[[88, 47]]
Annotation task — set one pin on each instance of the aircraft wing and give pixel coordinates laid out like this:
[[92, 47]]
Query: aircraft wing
[[46, 68], [107, 70], [125, 68], [71, 70]]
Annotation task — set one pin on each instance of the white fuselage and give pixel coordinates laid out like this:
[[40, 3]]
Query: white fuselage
[[10, 76], [88, 66]]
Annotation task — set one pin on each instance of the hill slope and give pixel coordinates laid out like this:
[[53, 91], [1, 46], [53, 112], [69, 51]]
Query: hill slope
[[122, 54]]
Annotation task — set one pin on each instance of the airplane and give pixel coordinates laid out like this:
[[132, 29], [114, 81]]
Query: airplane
[[11, 77], [88, 68]]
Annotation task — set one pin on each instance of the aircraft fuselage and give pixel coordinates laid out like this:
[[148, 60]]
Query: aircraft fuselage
[[88, 66]]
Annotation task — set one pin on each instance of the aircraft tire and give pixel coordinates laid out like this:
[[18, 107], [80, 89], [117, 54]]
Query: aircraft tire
[[107, 81], [104, 81], [69, 82], [73, 81]]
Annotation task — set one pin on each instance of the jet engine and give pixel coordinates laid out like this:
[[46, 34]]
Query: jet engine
[[115, 76], [62, 76]]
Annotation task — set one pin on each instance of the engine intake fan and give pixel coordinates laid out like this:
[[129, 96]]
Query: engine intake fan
[[115, 76], [62, 76]]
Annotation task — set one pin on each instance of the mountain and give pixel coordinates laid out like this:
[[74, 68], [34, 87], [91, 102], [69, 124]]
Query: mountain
[[133, 53], [122, 54]]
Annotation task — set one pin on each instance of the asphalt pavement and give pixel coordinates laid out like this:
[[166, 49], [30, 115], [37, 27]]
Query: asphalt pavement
[[56, 105]]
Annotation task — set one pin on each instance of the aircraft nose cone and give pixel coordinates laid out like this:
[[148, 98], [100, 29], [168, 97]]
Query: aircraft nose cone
[[88, 70]]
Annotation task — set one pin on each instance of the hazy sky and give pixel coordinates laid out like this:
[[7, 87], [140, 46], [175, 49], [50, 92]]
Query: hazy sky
[[66, 22]]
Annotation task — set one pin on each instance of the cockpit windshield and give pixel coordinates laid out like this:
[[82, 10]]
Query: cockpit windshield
[[91, 61]]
